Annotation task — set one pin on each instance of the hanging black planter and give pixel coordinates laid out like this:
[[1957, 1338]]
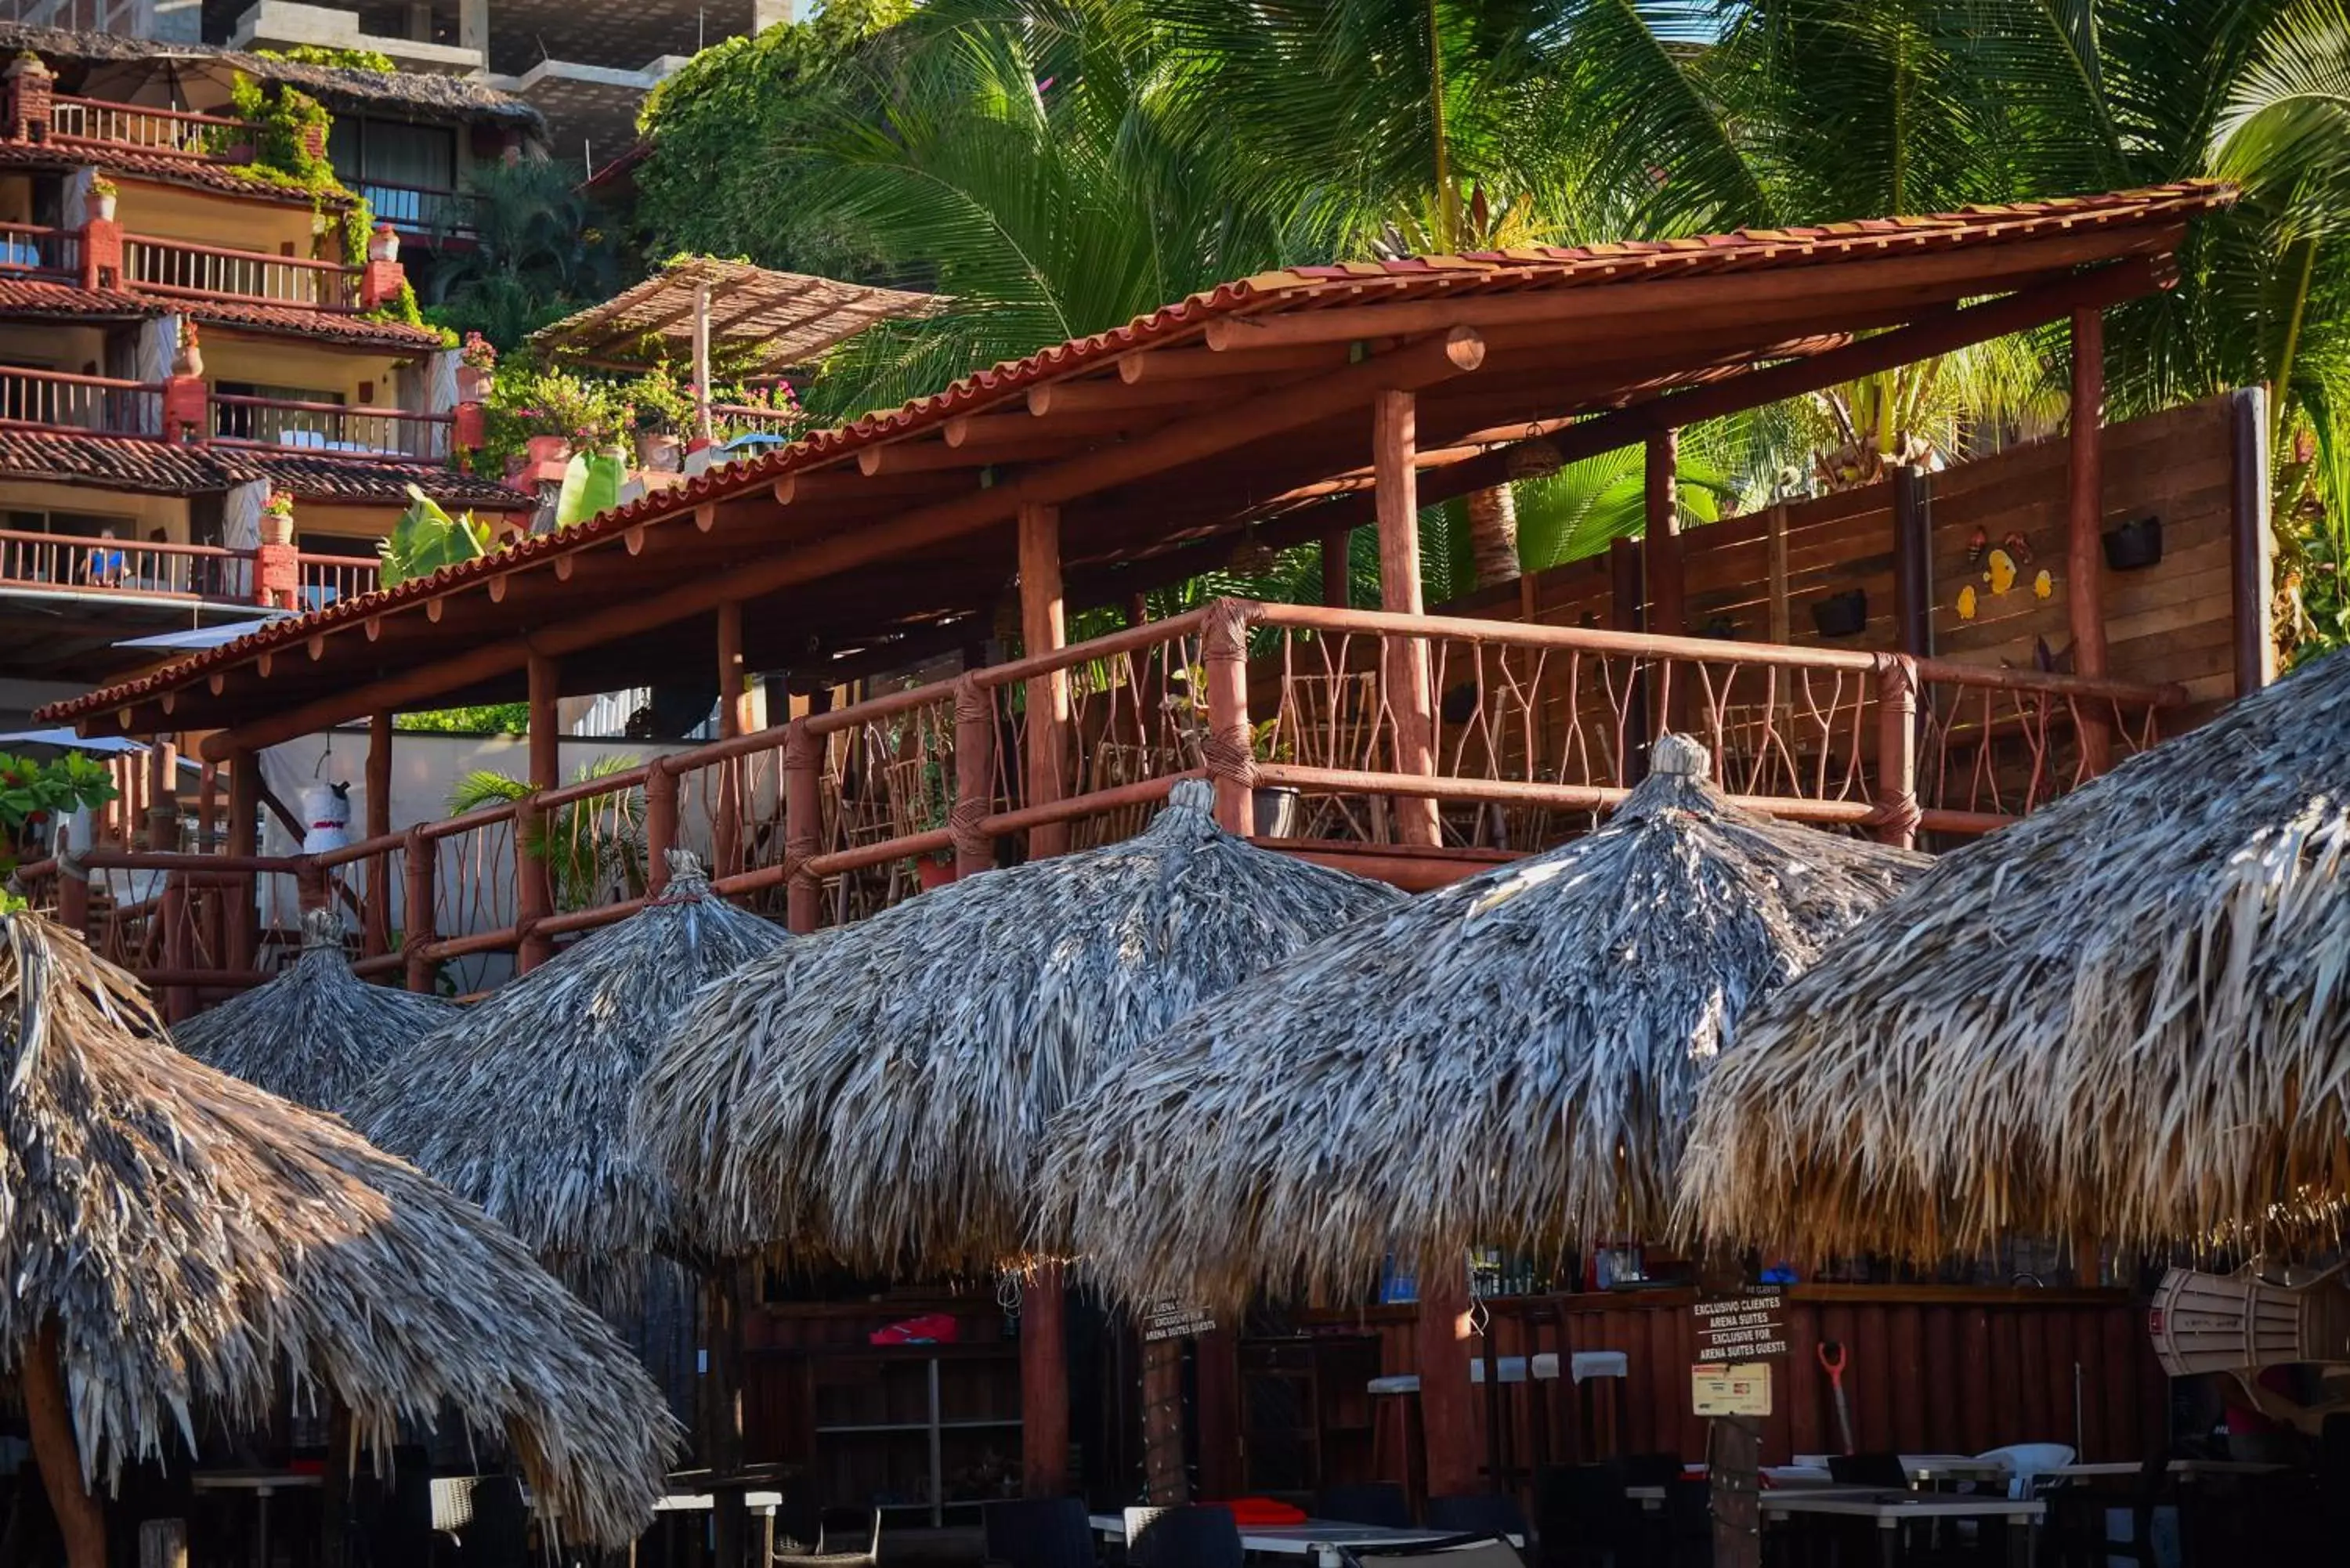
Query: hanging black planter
[[2134, 545], [1841, 614]]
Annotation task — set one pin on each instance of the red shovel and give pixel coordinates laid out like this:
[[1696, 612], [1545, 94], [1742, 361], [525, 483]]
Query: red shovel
[[1832, 1360]]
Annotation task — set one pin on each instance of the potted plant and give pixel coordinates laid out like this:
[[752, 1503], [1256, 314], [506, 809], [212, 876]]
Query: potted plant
[[2136, 544], [1841, 614], [477, 361], [1273, 808], [383, 245], [932, 811], [102, 195], [277, 519], [189, 360]]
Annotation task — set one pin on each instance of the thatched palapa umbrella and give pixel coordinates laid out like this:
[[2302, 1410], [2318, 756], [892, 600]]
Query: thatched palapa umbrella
[[179, 1243], [2124, 1019], [521, 1102], [1510, 1059], [316, 1032], [882, 1091]]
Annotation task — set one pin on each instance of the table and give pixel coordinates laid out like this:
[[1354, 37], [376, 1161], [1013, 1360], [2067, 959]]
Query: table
[[1320, 1539], [264, 1485], [1891, 1509], [2184, 1469], [1924, 1468]]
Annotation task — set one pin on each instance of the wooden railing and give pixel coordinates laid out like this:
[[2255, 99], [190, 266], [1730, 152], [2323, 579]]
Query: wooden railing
[[738, 418], [419, 209], [331, 429], [123, 565], [197, 271], [41, 251], [1301, 717], [209, 137], [326, 579], [99, 404]]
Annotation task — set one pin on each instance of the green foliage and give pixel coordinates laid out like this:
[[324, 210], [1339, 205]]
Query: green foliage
[[595, 847], [540, 252], [333, 57], [591, 484], [426, 538], [33, 793], [488, 719]]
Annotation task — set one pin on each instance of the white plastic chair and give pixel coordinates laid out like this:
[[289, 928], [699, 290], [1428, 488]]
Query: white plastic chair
[[2027, 1462]]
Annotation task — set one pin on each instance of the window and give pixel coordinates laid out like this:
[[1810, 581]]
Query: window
[[278, 427], [405, 171]]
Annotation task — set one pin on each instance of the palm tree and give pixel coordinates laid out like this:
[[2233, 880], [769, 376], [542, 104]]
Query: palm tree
[[536, 252], [593, 849]]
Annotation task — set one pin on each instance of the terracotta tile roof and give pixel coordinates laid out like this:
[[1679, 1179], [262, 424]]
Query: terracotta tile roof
[[168, 468], [159, 168], [1304, 288], [115, 462], [341, 479], [33, 296], [255, 316]]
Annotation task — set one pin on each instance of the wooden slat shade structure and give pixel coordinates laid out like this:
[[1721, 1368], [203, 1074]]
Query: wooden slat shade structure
[[1261, 427], [756, 317]]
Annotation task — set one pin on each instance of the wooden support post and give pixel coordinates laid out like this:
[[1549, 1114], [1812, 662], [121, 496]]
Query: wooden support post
[[163, 797], [974, 745], [1043, 629], [48, 1413], [1164, 1479], [1661, 554], [1216, 1411], [375, 931], [722, 1411], [2251, 547], [804, 891], [207, 806], [73, 885], [2085, 559], [701, 426], [416, 914], [1394, 443], [733, 719], [179, 947], [1044, 1386], [1774, 529], [1913, 561], [1447, 1419], [1338, 573], [1231, 752], [533, 888], [1734, 1463], [1896, 750], [243, 837], [1628, 611], [661, 824], [335, 1486]]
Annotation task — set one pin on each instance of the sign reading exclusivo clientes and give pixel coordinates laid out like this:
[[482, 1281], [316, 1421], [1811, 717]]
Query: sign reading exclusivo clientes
[[1746, 1327]]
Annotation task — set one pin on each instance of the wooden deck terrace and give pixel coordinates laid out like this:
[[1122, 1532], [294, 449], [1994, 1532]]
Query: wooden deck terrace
[[1290, 407]]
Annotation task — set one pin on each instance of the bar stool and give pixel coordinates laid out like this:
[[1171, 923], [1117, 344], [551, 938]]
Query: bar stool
[[1398, 1450]]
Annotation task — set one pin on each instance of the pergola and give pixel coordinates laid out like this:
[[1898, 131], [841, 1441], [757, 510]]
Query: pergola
[[1285, 407], [770, 321]]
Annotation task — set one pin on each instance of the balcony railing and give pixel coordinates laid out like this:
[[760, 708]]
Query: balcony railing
[[124, 567], [209, 137], [331, 429], [419, 209], [95, 404], [328, 579], [37, 251], [211, 272]]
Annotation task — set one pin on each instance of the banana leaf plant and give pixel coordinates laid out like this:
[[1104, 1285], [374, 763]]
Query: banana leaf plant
[[591, 484], [426, 538]]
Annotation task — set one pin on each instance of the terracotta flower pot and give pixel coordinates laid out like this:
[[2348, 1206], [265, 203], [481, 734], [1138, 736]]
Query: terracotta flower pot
[[473, 384], [932, 872], [277, 528]]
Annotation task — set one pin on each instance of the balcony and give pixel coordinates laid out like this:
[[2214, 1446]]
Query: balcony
[[207, 138], [124, 567], [183, 269], [96, 405], [420, 210], [33, 251], [331, 429]]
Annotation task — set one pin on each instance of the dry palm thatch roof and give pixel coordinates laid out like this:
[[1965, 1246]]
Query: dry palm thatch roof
[[882, 1090], [316, 1032], [1510, 1059], [2127, 1018], [194, 1241], [521, 1103]]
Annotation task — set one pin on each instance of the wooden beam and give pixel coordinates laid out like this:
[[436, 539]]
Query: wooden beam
[[2084, 559], [1105, 396], [2251, 544], [936, 456], [733, 719], [1149, 367], [1044, 1386], [1393, 437], [533, 890], [242, 836], [986, 431], [1661, 554], [1338, 569], [1974, 270], [1913, 560], [375, 938], [1447, 1414], [49, 1417], [1044, 627]]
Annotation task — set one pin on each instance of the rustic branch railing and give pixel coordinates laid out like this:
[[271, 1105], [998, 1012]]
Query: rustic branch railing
[[1285, 708], [331, 430], [61, 400], [212, 138], [121, 566], [41, 251], [201, 271]]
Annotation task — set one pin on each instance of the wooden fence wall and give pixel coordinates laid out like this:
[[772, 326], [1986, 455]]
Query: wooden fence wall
[[1929, 1369]]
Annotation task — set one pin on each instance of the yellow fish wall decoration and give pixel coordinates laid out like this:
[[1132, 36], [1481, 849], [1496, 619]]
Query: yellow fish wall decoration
[[1967, 602], [2043, 587], [2002, 575]]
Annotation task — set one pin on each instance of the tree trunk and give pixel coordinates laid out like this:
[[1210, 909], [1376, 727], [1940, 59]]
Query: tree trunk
[[50, 1417], [1493, 535]]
